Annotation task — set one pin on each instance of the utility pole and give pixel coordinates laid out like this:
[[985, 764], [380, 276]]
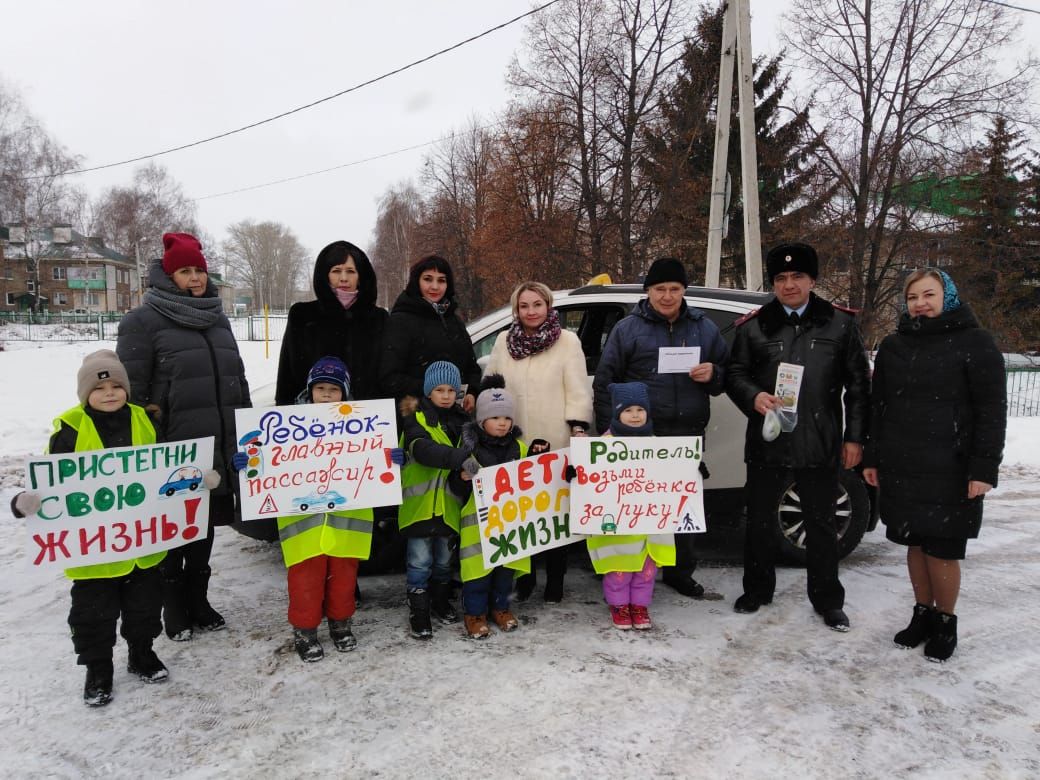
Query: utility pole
[[736, 50]]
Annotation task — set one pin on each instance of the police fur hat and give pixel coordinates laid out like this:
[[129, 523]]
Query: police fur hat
[[792, 256]]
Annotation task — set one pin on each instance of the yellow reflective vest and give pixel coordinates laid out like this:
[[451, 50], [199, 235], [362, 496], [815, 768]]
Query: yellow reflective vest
[[628, 552], [424, 489], [471, 561], [87, 438], [337, 534]]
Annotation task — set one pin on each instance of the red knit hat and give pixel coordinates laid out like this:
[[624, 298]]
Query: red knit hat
[[182, 249]]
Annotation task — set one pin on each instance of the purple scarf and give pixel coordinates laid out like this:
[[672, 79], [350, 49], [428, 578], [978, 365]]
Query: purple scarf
[[523, 346]]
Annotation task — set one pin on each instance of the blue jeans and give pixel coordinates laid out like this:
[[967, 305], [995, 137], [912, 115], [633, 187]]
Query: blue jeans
[[428, 560], [498, 585]]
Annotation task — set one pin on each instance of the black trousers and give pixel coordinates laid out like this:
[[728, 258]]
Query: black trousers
[[193, 556], [685, 553], [818, 491], [98, 604]]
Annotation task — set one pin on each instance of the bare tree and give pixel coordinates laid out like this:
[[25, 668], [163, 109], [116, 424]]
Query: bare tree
[[603, 62], [904, 84], [132, 219], [33, 190], [395, 242], [267, 258]]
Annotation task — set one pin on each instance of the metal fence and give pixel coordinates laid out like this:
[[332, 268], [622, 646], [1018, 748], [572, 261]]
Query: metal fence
[[1023, 391], [104, 327]]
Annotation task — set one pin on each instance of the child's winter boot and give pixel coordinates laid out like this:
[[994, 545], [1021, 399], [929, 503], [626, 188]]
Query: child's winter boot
[[202, 614], [640, 617], [505, 620], [419, 614], [176, 621], [944, 637], [142, 661], [341, 635], [476, 626], [919, 629], [441, 603], [305, 640], [97, 691], [622, 617]]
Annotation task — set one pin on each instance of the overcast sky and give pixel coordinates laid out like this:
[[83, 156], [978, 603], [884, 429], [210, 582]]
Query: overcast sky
[[116, 79]]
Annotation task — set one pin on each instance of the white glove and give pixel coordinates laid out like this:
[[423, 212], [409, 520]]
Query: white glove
[[27, 503], [211, 479]]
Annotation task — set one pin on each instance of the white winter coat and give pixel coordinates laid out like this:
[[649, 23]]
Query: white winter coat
[[550, 388]]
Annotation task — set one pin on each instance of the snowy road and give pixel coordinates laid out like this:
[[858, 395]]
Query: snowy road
[[707, 693]]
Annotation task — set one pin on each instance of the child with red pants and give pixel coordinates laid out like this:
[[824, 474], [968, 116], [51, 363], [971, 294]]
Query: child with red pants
[[322, 550], [629, 562]]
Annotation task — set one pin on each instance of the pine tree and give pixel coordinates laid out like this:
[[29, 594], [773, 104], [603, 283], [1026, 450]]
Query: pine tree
[[682, 149]]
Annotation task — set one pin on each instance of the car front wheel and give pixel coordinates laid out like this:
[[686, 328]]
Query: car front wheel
[[851, 515]]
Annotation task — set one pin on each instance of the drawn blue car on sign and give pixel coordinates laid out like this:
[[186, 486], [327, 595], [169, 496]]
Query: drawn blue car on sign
[[185, 478], [329, 500]]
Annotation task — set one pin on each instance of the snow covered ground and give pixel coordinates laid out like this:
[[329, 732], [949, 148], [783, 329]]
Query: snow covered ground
[[707, 693]]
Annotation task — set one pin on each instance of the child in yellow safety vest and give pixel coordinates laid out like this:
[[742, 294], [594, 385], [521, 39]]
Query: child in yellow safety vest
[[492, 439], [629, 562], [102, 593], [429, 514], [322, 550]]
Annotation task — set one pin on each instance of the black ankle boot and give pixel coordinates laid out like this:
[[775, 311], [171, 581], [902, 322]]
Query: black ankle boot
[[441, 605], [202, 614], [305, 640], [97, 691], [419, 614], [944, 637], [176, 621], [525, 585], [142, 661], [342, 636], [920, 627]]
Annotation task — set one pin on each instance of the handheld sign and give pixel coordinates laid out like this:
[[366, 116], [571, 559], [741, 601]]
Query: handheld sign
[[313, 458], [115, 504], [523, 507], [637, 485]]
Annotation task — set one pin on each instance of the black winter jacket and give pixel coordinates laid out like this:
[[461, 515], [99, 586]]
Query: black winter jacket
[[678, 405], [323, 327], [829, 345], [939, 418], [416, 335], [195, 377]]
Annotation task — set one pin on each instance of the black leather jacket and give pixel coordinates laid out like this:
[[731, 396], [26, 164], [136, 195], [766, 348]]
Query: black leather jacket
[[828, 343]]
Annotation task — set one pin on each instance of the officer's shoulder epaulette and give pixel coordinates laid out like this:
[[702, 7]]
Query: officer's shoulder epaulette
[[749, 316], [846, 309]]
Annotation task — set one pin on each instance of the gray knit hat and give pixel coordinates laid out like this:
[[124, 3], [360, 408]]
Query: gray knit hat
[[441, 372], [494, 400], [97, 367]]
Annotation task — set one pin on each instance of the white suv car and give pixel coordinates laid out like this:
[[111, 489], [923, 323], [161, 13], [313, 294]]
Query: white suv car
[[592, 311]]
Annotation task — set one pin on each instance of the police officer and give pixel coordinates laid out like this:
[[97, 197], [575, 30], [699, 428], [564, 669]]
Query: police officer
[[803, 435]]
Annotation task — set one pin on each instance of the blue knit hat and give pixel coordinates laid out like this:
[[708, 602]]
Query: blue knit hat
[[441, 372], [624, 395], [332, 370]]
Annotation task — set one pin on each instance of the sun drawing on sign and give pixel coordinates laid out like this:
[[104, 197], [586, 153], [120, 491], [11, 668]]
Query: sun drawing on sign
[[344, 410]]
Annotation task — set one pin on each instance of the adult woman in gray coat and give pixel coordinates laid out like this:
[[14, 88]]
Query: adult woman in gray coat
[[183, 363]]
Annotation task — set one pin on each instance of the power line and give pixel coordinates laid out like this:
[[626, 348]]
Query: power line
[[1012, 7], [312, 104]]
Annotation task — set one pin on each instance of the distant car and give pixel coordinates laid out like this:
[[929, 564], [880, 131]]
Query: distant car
[[328, 500], [184, 478]]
